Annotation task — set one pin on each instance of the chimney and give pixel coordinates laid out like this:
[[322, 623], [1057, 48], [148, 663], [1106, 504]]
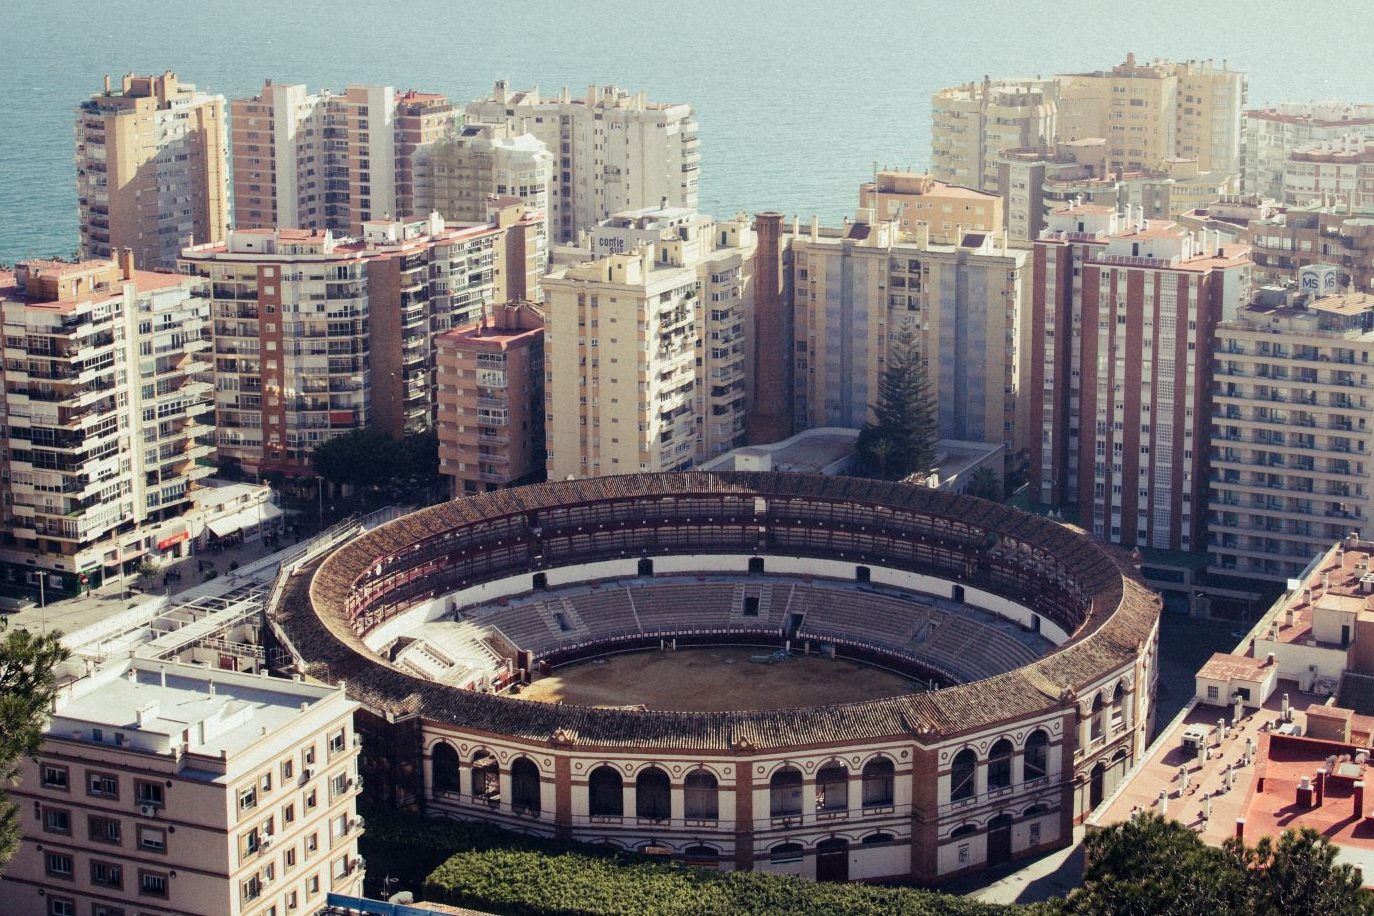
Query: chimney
[[162, 672], [1304, 792], [1359, 799], [126, 263], [211, 685], [107, 84], [1240, 828], [1320, 787]]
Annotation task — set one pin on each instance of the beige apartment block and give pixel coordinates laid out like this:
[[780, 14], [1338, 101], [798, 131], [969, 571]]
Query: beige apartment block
[[327, 160], [856, 287], [1339, 173], [456, 175], [614, 151], [316, 335], [151, 169], [1286, 240], [973, 123], [107, 405], [1274, 134], [647, 345], [1122, 314], [947, 211], [1293, 431], [168, 789], [490, 392]]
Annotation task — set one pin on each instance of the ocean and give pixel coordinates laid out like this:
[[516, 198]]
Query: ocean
[[797, 100]]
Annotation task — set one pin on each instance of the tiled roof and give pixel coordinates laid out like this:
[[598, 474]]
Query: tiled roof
[[1121, 618], [1356, 692]]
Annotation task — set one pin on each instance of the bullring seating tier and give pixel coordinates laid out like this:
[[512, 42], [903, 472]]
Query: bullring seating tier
[[960, 642]]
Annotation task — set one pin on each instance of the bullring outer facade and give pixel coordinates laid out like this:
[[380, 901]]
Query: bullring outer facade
[[1034, 645]]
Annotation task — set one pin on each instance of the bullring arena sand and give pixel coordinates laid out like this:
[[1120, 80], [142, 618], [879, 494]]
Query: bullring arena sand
[[715, 680]]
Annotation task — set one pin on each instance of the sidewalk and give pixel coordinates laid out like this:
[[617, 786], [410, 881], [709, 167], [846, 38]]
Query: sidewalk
[[1051, 875], [71, 614]]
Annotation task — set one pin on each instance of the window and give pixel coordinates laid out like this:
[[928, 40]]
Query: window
[[148, 793], [312, 844], [785, 793], [444, 765], [308, 757], [58, 865], [1213, 692], [338, 868], [1036, 762], [152, 839], [878, 783], [961, 775], [248, 799], [252, 888], [54, 777], [336, 742], [103, 829], [100, 909], [832, 788], [338, 785], [310, 800], [289, 860], [61, 906], [701, 857], [1095, 724], [999, 765], [288, 814], [57, 820], [652, 795], [701, 796], [107, 874], [605, 794], [292, 901], [288, 770], [102, 785], [524, 786], [265, 782], [152, 883], [784, 853]]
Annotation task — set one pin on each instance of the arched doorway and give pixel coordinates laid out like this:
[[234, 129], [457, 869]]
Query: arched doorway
[[524, 786], [1096, 786], [832, 859], [445, 769], [653, 794], [999, 839]]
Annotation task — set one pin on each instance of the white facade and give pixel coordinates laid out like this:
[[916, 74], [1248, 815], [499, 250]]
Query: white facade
[[454, 176], [613, 151], [1272, 135]]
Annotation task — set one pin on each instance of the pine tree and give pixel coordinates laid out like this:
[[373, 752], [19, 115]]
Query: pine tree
[[901, 439]]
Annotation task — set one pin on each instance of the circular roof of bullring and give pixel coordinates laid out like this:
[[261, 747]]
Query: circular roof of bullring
[[318, 612]]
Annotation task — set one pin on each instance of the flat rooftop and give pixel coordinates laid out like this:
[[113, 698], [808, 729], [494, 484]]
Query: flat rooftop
[[157, 707]]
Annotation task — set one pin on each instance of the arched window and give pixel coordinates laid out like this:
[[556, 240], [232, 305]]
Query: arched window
[[486, 777], [445, 767], [999, 765], [961, 781], [1118, 706], [652, 795], [1095, 720], [524, 786], [962, 831], [1037, 756], [832, 788], [785, 793], [701, 856], [700, 789], [784, 853], [878, 781], [876, 839], [605, 797]]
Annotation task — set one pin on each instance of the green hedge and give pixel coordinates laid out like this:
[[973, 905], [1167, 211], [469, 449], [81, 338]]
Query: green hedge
[[521, 881]]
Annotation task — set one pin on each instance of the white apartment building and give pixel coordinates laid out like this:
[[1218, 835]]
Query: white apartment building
[[170, 789], [1274, 134], [456, 176], [614, 151], [1293, 431], [647, 345], [107, 405], [1339, 173], [972, 124]]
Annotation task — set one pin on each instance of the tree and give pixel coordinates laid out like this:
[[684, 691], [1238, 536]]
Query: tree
[[901, 439], [1300, 875], [360, 457], [27, 686], [985, 484], [147, 569]]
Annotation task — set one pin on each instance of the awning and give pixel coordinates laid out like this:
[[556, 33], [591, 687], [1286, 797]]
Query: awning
[[245, 518]]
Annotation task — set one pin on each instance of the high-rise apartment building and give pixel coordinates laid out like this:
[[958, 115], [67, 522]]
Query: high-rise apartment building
[[316, 335], [1274, 134], [164, 787], [1339, 173], [326, 160], [455, 176], [490, 391], [1293, 431], [647, 345], [1150, 112], [151, 169], [614, 151], [1285, 241], [856, 288], [107, 405], [948, 211], [973, 123], [1121, 322]]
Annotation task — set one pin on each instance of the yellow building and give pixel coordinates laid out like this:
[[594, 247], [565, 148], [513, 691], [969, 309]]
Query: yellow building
[[151, 172], [647, 345], [948, 210]]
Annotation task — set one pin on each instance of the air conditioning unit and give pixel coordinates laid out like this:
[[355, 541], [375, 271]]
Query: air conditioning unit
[[306, 774], [148, 810], [265, 841]]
